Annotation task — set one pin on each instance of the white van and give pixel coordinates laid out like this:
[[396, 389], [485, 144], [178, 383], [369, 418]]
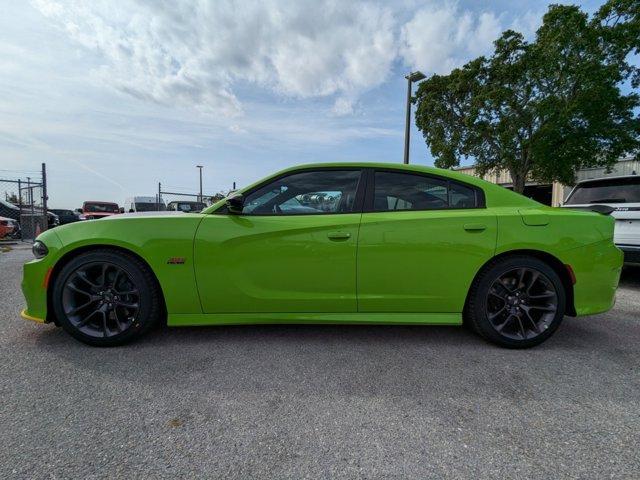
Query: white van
[[623, 195], [144, 204]]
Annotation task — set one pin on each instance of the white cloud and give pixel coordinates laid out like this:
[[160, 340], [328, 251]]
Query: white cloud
[[441, 37], [195, 53]]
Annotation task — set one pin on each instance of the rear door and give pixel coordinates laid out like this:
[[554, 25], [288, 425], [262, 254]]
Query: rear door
[[422, 240], [293, 248]]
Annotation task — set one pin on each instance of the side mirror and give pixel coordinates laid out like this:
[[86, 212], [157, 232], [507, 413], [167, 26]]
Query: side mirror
[[235, 203]]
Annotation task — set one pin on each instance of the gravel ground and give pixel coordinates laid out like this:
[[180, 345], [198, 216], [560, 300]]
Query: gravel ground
[[320, 402]]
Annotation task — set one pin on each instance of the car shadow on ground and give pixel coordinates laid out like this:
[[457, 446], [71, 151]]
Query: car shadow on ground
[[387, 361], [630, 276]]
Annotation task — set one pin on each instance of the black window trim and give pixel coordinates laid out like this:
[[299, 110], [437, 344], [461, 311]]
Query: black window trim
[[370, 190], [357, 204]]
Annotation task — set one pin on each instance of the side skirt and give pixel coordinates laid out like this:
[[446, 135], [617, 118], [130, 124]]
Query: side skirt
[[199, 319]]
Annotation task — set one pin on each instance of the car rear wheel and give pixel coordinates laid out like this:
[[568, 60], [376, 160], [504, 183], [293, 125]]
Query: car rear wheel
[[516, 302], [106, 298]]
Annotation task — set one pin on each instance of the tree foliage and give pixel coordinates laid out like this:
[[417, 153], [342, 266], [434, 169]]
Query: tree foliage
[[544, 108]]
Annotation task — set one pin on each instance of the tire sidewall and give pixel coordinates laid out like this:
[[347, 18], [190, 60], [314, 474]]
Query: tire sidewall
[[494, 272], [144, 318]]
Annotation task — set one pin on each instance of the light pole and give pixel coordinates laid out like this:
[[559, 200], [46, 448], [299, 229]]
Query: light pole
[[200, 168], [412, 77]]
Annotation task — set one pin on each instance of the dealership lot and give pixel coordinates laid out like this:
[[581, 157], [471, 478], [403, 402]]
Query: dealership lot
[[320, 401]]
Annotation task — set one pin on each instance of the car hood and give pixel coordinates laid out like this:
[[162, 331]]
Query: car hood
[[144, 214]]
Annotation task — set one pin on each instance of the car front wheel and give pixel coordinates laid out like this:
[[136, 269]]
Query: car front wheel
[[106, 298], [516, 302]]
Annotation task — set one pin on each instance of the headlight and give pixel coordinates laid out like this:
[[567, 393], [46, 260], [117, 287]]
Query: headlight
[[39, 249]]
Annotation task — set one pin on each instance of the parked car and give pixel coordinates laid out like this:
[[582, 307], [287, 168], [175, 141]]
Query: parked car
[[144, 204], [622, 194], [9, 210], [52, 219], [399, 244], [186, 206], [66, 216], [93, 210], [9, 228]]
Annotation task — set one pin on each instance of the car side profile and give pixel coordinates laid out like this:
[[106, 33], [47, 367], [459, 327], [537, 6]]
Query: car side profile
[[332, 243]]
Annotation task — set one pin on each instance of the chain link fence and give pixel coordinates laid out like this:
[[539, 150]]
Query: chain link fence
[[23, 205], [176, 199]]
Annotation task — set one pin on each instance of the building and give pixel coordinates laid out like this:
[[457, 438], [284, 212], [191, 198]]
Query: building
[[555, 193]]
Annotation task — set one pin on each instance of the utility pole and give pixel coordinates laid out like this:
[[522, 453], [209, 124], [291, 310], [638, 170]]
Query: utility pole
[[412, 77], [44, 196], [200, 168]]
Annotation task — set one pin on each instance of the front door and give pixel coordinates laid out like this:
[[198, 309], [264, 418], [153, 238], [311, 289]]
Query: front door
[[422, 240], [292, 249]]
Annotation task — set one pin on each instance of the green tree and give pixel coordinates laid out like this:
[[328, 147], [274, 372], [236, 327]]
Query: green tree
[[540, 109]]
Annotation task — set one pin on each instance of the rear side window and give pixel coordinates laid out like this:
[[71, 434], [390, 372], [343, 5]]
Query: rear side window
[[620, 190], [407, 191]]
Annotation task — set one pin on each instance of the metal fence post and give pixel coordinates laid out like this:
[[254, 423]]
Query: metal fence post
[[45, 218]]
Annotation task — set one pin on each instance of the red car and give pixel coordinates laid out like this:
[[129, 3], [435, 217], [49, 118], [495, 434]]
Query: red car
[[8, 227], [93, 210]]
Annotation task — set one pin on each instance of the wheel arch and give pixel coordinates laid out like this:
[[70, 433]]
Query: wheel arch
[[555, 263], [71, 254]]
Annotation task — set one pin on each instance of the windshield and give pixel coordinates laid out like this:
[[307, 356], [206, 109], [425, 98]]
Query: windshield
[[150, 207], [619, 190], [101, 207]]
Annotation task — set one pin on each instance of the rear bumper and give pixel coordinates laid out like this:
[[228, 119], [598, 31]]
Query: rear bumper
[[631, 253], [597, 269]]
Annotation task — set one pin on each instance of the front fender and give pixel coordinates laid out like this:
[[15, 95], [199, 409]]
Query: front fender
[[155, 240]]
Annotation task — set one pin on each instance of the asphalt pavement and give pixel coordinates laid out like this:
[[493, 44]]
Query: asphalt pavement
[[320, 401]]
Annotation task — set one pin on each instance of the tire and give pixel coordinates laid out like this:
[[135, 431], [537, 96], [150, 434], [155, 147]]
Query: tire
[[514, 309], [106, 298]]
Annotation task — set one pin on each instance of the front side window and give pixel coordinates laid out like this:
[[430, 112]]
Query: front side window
[[407, 191], [305, 193]]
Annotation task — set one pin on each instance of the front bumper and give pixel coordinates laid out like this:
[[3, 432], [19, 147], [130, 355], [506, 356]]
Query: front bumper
[[631, 253], [35, 279], [26, 316]]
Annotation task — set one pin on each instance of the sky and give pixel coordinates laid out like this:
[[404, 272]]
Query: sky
[[117, 96]]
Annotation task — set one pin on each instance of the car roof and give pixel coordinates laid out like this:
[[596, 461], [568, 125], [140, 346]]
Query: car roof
[[604, 179], [9, 205], [495, 194]]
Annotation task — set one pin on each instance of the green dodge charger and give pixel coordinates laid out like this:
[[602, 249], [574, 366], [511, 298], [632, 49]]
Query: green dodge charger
[[332, 243]]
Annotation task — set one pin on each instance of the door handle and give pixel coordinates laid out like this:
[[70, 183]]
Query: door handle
[[338, 235], [474, 227]]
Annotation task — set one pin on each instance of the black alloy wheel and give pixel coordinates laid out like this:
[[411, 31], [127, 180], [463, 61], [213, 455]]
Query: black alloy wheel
[[106, 297], [100, 299], [516, 301], [522, 303]]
